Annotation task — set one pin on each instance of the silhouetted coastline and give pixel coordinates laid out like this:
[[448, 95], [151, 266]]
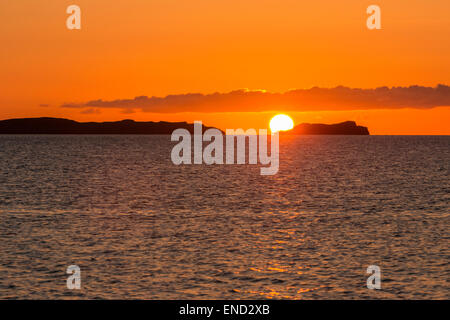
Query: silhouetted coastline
[[65, 126]]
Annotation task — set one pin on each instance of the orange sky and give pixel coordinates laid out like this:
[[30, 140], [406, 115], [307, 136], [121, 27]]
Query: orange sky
[[129, 48]]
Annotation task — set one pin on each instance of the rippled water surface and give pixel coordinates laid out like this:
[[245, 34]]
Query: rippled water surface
[[140, 227]]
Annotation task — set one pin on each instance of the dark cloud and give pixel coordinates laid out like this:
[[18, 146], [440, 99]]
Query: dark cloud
[[314, 99]]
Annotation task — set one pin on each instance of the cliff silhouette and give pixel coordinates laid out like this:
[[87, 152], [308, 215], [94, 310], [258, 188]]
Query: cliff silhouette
[[65, 126], [343, 128]]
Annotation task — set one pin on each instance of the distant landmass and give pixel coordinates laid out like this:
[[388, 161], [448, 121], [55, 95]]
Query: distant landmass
[[347, 127], [65, 126]]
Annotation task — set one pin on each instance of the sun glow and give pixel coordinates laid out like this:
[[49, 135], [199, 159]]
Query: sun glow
[[281, 122]]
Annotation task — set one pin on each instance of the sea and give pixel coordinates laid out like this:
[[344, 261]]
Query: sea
[[139, 227]]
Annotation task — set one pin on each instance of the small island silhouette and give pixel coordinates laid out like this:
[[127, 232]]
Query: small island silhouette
[[65, 126], [347, 127]]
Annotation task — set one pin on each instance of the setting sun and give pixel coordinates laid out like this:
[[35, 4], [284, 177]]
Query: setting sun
[[281, 122]]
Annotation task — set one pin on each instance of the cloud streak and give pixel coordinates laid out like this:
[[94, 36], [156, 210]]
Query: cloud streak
[[314, 99]]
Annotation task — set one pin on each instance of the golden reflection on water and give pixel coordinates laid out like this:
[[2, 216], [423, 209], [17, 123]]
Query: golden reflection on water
[[279, 291], [291, 293]]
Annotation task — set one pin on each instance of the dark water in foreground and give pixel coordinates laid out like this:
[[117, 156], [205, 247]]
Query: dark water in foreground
[[140, 227]]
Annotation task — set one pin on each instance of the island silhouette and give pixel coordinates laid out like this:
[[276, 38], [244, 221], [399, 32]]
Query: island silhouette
[[48, 125], [343, 128]]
